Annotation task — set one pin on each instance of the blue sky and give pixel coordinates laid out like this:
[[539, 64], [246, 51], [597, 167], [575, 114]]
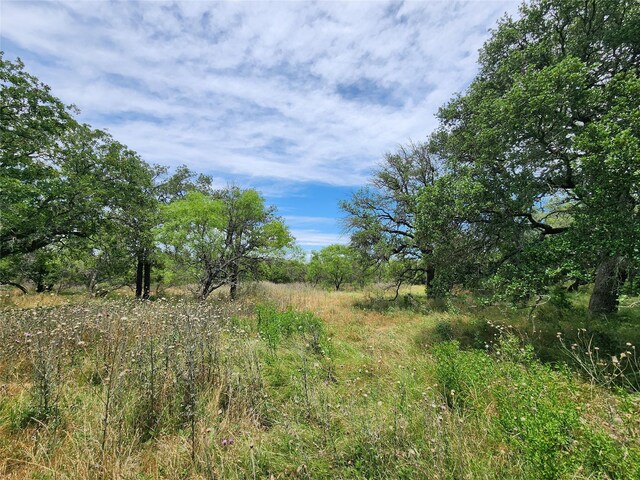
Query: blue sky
[[297, 99]]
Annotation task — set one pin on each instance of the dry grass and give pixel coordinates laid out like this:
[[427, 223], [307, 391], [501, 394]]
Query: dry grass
[[375, 404], [11, 297]]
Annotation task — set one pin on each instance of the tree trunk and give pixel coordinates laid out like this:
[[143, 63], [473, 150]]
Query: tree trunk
[[574, 286], [610, 276], [17, 285], [429, 275], [233, 282], [147, 280], [206, 284], [139, 275], [91, 281]]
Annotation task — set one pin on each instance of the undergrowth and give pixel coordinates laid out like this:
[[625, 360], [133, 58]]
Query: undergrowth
[[178, 389]]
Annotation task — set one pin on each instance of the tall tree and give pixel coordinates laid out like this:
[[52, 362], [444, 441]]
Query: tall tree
[[550, 130], [381, 217], [61, 180], [39, 148]]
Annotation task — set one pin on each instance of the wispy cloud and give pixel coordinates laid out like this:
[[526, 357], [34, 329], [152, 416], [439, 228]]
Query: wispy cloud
[[293, 91], [308, 238], [295, 220]]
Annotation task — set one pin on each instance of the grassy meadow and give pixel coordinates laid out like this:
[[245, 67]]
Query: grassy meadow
[[296, 382]]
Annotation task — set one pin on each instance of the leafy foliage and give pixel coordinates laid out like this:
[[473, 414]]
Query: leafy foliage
[[335, 264], [216, 236], [541, 154], [382, 217]]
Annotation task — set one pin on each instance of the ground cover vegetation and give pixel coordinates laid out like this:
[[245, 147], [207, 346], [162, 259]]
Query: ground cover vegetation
[[482, 322], [296, 382]]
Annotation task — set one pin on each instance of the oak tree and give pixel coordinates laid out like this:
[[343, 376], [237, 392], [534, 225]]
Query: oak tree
[[547, 141]]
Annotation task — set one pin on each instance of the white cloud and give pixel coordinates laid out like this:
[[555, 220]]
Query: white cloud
[[316, 238], [253, 89], [306, 220]]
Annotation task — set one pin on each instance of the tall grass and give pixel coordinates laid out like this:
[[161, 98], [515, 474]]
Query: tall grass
[[293, 383]]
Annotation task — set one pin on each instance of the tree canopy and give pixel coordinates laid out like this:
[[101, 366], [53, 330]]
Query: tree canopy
[[334, 264], [532, 178], [382, 216], [216, 236], [542, 150], [75, 202]]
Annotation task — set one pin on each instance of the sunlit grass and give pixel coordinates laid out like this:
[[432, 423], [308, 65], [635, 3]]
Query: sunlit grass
[[114, 388]]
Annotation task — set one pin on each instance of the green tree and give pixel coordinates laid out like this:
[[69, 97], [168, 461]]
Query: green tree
[[543, 151], [148, 189], [290, 268], [39, 148], [62, 183], [382, 217], [215, 237], [334, 264], [313, 274]]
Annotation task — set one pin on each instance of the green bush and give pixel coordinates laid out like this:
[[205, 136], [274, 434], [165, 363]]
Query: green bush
[[274, 325]]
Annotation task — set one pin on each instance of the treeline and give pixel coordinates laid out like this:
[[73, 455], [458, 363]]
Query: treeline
[[531, 182], [334, 266], [79, 207]]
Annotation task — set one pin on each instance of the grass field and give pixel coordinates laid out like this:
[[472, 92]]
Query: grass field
[[296, 382]]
